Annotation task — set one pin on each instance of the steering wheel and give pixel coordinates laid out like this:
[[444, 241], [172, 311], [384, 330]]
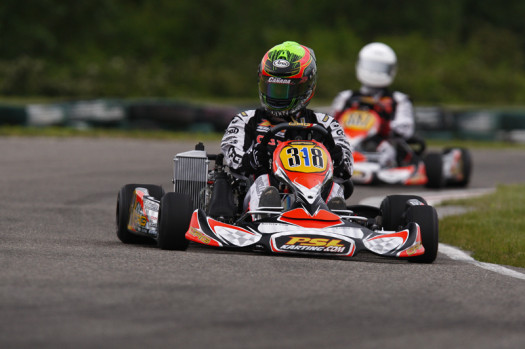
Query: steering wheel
[[263, 146], [289, 126]]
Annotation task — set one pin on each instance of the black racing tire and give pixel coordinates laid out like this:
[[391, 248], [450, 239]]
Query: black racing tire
[[393, 209], [427, 219], [434, 170], [174, 219], [124, 199]]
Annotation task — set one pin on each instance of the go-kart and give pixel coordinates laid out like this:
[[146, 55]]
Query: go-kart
[[206, 207], [411, 166]]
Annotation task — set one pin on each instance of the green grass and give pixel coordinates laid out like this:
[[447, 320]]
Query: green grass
[[22, 131], [494, 231], [473, 144]]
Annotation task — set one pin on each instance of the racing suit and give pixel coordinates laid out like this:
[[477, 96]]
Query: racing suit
[[396, 114], [248, 128]]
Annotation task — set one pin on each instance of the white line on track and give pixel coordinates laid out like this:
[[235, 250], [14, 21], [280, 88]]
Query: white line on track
[[434, 198], [458, 255]]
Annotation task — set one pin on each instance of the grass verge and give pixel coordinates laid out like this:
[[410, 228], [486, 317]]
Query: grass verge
[[494, 231], [56, 131]]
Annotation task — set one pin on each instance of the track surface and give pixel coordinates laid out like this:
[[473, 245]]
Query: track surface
[[66, 281]]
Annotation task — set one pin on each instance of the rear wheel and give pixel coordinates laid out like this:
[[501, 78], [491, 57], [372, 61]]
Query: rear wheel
[[434, 169], [466, 159], [427, 219], [175, 216], [124, 199], [393, 209]]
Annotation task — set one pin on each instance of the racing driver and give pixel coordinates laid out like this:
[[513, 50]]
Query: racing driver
[[287, 81], [376, 69]]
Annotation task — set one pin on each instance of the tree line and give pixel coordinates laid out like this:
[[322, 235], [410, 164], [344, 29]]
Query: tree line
[[449, 51]]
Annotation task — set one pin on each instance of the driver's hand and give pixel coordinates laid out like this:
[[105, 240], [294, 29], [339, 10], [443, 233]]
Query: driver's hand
[[257, 158], [337, 155]]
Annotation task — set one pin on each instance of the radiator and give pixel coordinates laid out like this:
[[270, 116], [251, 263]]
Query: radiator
[[190, 174]]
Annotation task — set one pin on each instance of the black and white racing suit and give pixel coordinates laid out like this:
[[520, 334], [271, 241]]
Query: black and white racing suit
[[394, 108], [248, 128]]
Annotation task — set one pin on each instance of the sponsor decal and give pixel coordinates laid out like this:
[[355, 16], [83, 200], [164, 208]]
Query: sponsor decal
[[271, 142], [138, 219], [199, 236], [414, 249], [281, 63], [143, 222], [313, 243], [304, 124], [335, 125], [281, 81], [415, 202], [233, 156], [151, 205], [262, 129], [232, 130]]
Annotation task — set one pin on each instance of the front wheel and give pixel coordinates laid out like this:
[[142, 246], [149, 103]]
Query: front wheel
[[175, 216], [427, 219], [393, 208]]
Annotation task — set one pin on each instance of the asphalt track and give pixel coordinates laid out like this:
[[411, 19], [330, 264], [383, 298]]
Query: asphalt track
[[66, 281]]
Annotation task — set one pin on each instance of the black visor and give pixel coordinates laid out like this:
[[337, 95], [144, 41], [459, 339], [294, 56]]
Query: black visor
[[281, 88]]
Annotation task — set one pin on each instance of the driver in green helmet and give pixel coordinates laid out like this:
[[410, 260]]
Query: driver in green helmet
[[287, 81]]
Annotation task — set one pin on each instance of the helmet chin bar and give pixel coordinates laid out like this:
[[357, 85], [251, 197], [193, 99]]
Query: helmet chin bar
[[288, 113]]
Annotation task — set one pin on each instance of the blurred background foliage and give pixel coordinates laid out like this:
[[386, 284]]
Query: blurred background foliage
[[449, 51]]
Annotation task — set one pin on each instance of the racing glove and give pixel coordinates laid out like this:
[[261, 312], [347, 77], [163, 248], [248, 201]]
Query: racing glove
[[256, 159], [337, 155], [341, 169]]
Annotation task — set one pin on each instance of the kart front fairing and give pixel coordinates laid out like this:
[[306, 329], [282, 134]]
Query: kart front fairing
[[297, 232], [308, 225], [367, 170]]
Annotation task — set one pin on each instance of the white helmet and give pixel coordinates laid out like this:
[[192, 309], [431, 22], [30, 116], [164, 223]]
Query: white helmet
[[376, 65]]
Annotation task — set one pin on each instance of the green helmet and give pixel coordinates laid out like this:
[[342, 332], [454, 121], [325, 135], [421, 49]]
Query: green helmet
[[287, 78]]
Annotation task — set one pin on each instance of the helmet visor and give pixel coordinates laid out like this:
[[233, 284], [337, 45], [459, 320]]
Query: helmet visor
[[283, 89], [378, 67]]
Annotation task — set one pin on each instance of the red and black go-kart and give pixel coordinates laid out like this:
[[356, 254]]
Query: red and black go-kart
[[450, 167], [206, 207]]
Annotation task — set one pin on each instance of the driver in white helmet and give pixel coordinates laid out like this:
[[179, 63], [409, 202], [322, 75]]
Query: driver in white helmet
[[376, 69]]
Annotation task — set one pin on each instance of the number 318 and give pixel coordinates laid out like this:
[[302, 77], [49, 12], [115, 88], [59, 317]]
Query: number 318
[[305, 156]]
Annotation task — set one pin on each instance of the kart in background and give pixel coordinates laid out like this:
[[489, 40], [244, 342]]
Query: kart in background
[[450, 167], [206, 207]]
